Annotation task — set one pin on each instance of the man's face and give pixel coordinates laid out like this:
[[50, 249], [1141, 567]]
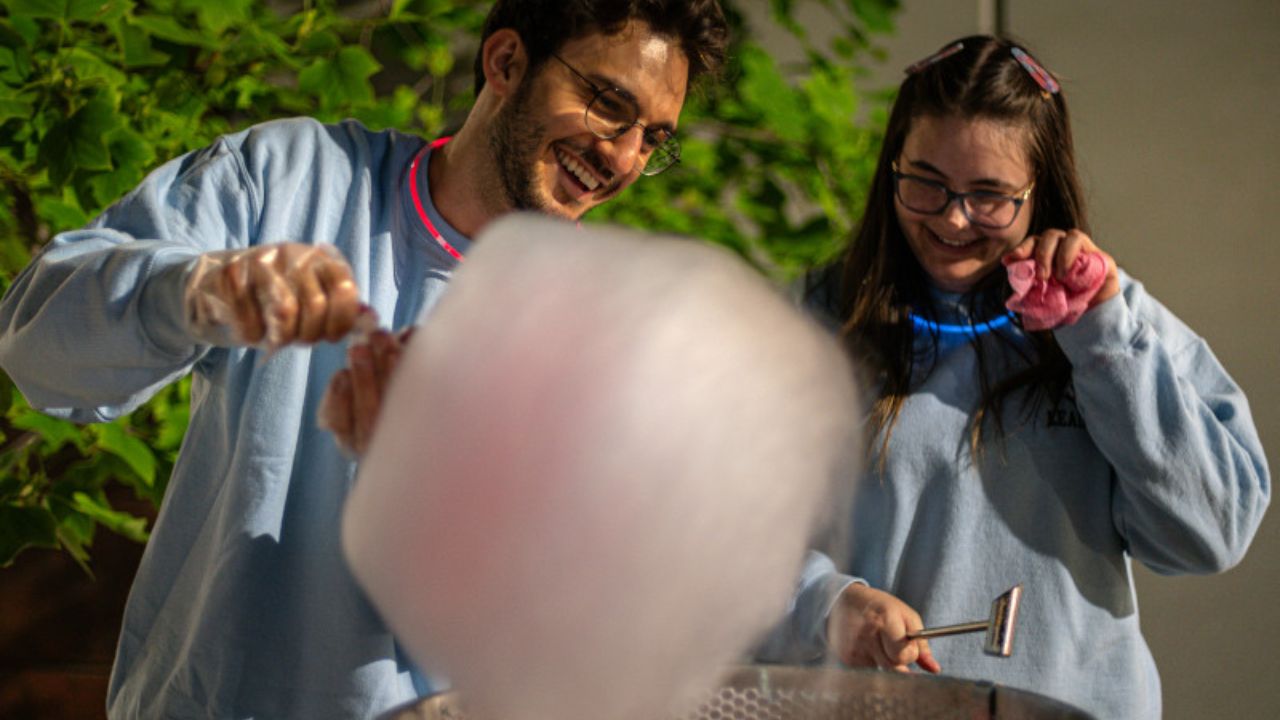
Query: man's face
[[547, 158]]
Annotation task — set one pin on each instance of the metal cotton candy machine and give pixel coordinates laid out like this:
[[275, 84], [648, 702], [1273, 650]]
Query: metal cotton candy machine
[[800, 693]]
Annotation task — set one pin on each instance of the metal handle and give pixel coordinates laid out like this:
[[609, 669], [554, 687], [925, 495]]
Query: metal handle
[[972, 627]]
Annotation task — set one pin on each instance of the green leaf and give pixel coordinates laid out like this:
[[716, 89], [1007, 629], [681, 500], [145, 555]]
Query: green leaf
[[96, 10], [254, 40], [60, 214], [12, 108], [82, 10], [130, 150], [14, 256], [343, 80], [218, 15], [54, 432], [15, 66], [28, 28], [10, 488], [114, 438], [877, 15], [130, 156], [11, 38], [97, 508], [416, 57], [79, 141], [319, 42], [248, 88], [832, 101], [87, 66], [397, 8], [138, 52], [167, 28], [49, 9], [171, 410], [393, 112], [763, 87], [439, 60], [25, 527], [74, 527]]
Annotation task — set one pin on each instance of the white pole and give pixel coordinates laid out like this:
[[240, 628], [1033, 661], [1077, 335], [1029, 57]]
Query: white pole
[[991, 17]]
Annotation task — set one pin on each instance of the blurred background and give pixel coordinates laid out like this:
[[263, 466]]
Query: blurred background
[[1177, 120]]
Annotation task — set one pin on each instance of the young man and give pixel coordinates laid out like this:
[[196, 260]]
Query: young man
[[229, 261]]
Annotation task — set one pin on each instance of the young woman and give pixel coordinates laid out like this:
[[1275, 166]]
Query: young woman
[[1045, 448]]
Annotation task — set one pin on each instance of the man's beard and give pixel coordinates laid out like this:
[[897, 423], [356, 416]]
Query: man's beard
[[513, 144]]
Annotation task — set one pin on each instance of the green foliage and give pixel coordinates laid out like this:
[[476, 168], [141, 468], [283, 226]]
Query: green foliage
[[95, 93]]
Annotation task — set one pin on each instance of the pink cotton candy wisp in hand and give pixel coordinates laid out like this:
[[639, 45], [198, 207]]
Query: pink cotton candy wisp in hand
[[1046, 304]]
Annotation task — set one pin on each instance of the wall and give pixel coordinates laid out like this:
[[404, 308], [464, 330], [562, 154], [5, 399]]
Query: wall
[[1178, 124]]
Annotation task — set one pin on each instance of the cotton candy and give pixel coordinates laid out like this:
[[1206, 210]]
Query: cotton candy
[[597, 470]]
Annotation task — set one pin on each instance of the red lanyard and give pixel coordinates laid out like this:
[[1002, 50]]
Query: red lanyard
[[417, 200]]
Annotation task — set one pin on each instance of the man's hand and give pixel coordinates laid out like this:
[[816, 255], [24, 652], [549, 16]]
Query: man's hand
[[869, 628], [353, 399], [271, 296]]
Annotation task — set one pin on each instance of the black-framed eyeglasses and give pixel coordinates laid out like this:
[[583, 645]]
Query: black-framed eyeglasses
[[991, 210], [612, 112]]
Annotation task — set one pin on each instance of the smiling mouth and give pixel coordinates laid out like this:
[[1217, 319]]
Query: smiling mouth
[[959, 244], [578, 170]]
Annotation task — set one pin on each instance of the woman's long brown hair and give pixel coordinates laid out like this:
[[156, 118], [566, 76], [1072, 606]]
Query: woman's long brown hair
[[875, 286]]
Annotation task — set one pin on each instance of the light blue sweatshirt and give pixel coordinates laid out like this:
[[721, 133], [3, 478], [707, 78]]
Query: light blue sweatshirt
[[1156, 459], [242, 606]]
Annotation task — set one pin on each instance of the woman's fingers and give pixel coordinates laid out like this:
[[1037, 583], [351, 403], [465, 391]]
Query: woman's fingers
[[869, 628], [1055, 251], [1073, 243], [1022, 250], [1045, 252]]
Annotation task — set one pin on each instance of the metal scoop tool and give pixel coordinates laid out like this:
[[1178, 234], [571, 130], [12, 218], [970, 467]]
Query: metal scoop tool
[[999, 627]]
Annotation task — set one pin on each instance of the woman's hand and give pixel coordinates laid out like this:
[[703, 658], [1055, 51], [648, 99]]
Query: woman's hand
[[1055, 251], [869, 628]]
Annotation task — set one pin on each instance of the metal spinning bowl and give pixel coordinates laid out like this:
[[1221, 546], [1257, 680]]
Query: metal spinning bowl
[[798, 693]]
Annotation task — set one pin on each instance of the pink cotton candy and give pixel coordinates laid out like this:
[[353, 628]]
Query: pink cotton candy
[[1046, 304]]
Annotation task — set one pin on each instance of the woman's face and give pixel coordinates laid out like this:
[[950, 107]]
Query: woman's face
[[965, 155]]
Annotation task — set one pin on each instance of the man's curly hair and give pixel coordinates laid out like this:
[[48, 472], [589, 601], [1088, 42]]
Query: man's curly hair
[[545, 25]]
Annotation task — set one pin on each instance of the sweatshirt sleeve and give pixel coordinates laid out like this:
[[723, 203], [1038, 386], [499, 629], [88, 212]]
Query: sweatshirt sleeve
[[94, 326], [1191, 478], [800, 637]]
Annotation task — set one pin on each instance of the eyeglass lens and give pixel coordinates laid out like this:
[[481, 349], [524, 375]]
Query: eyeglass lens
[[611, 114], [987, 209]]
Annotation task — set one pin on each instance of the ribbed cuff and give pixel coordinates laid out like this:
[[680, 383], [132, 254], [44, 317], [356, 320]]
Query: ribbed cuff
[[160, 307]]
